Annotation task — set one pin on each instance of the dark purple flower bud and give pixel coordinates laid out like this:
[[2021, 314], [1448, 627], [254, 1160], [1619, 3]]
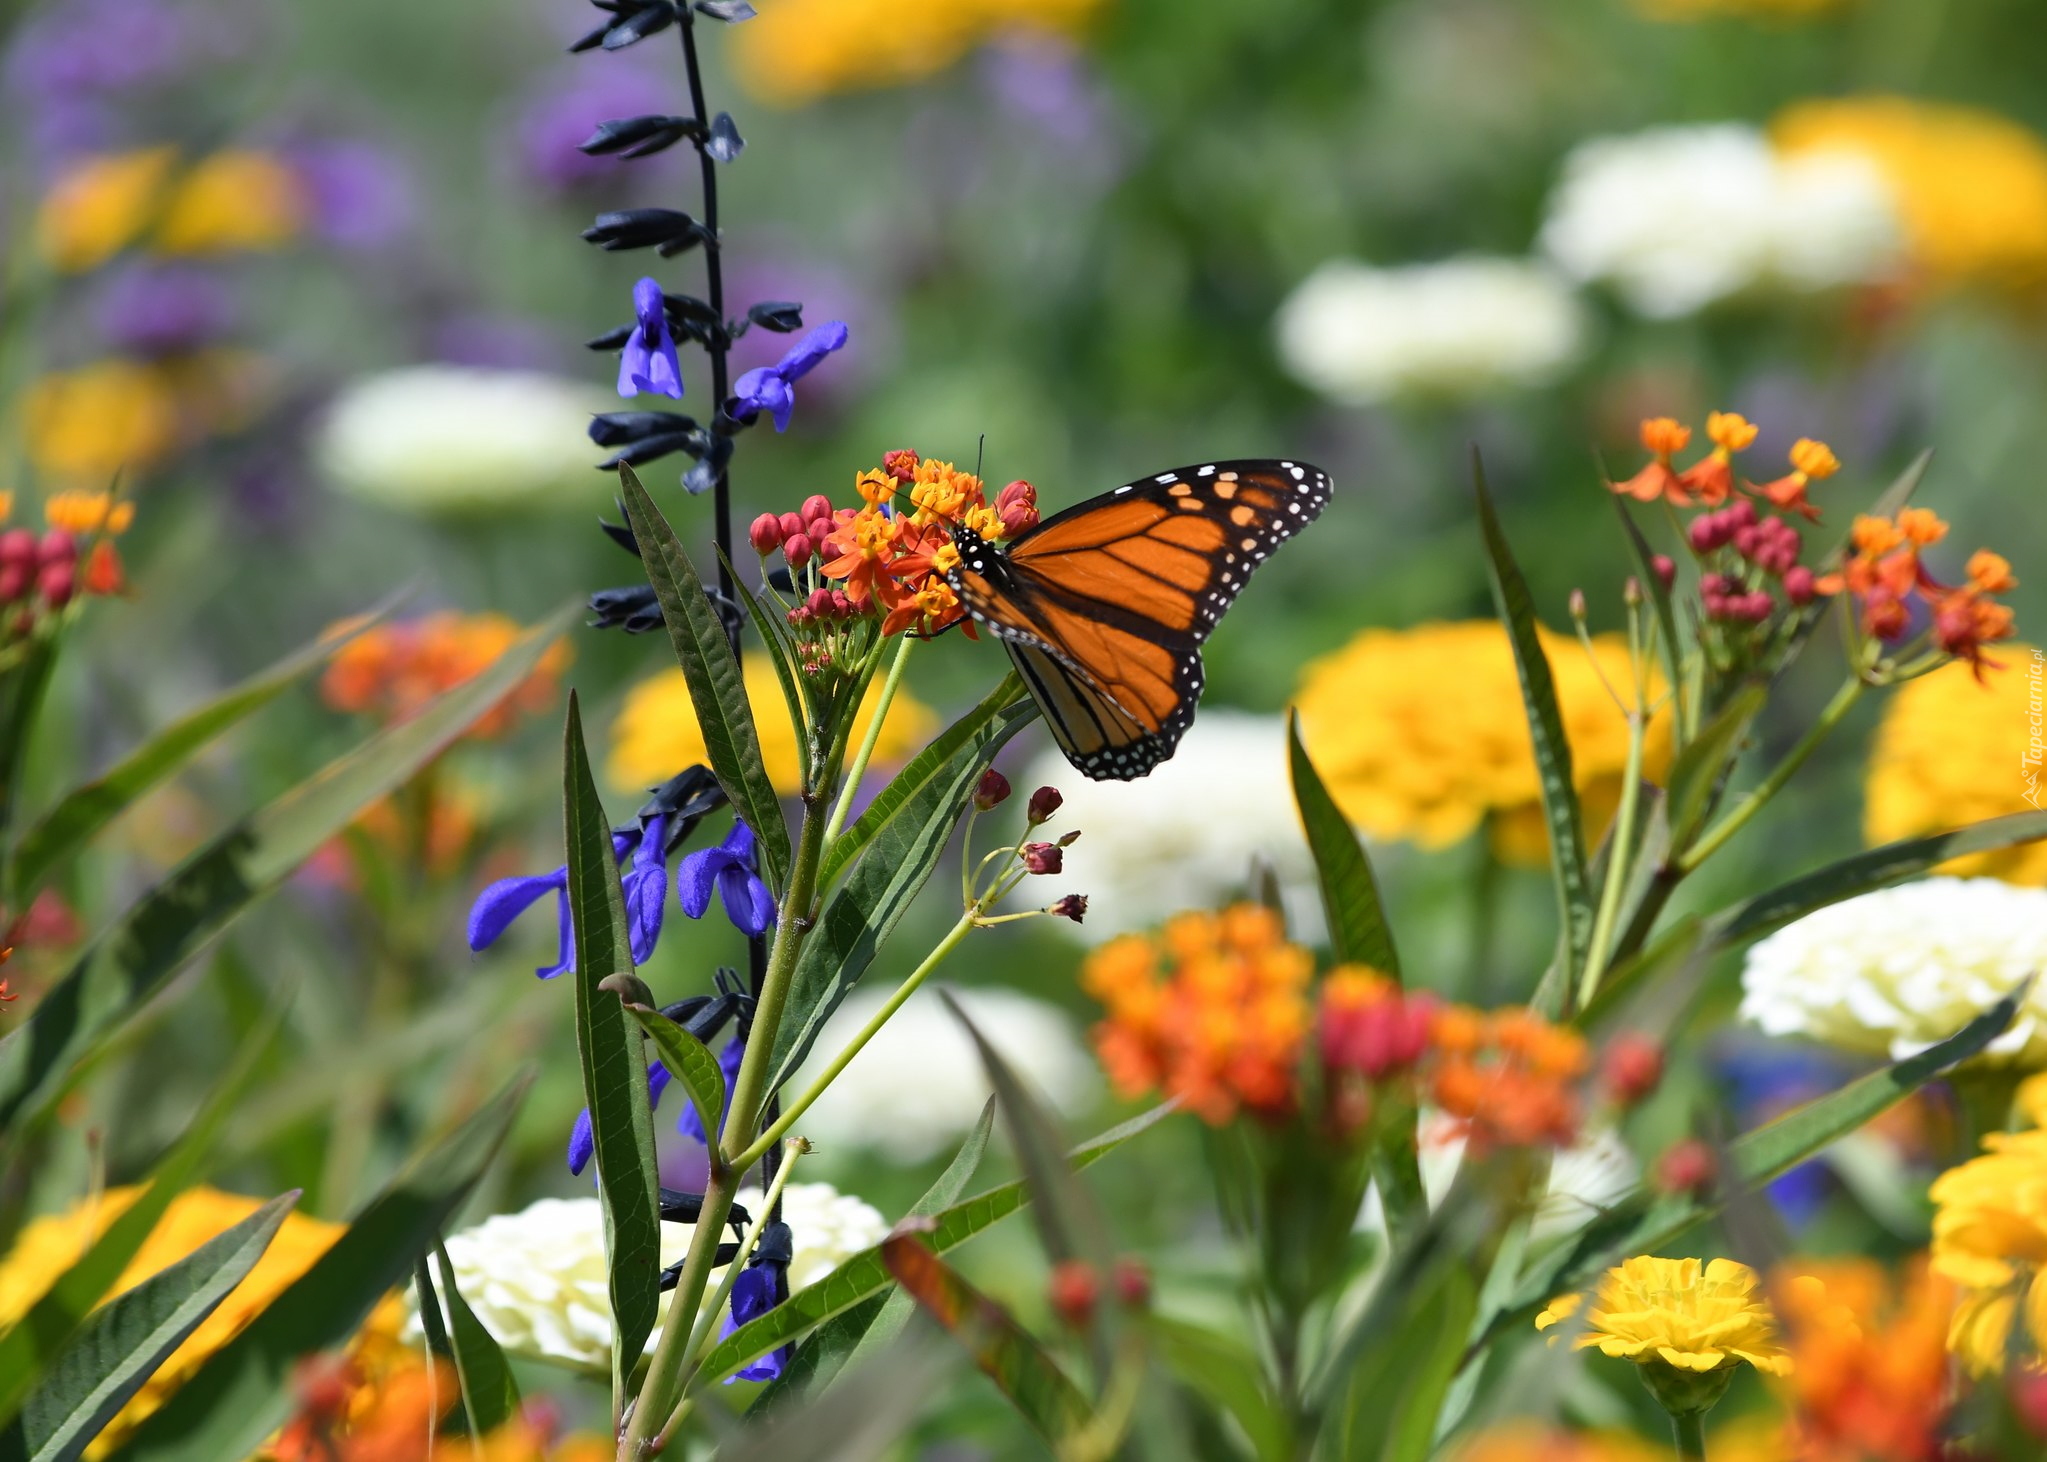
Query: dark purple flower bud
[[1073, 906], [724, 144], [729, 11], [629, 24], [1044, 802], [992, 790], [1070, 839], [1042, 857], [667, 230], [632, 608], [637, 136], [781, 316]]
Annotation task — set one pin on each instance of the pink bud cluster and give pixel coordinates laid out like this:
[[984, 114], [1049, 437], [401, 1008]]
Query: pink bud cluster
[[798, 535], [1768, 544], [824, 606], [36, 571]]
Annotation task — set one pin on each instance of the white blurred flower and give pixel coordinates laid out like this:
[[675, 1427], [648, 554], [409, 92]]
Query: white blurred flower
[[1676, 218], [1893, 972], [1584, 1180], [536, 1278], [1183, 837], [1464, 326], [918, 1087], [438, 438]]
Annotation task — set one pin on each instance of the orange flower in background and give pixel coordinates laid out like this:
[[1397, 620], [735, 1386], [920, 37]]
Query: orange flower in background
[[1511, 1077], [1886, 574], [1665, 438], [1212, 1011], [1811, 462], [1869, 1374], [86, 513], [1711, 479], [392, 671]]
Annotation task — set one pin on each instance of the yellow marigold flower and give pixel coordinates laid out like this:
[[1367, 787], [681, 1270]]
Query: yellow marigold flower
[[1420, 733], [1971, 186], [101, 205], [49, 1246], [1990, 1238], [232, 201], [87, 512], [799, 50], [99, 419], [1951, 751], [656, 734]]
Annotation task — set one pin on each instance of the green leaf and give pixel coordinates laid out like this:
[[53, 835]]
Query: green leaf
[[1701, 769], [66, 828], [242, 1393], [489, 1393], [22, 687], [1224, 1372], [614, 1065], [1669, 649], [1895, 497], [1552, 747], [716, 687], [880, 889], [867, 1274], [1006, 1353], [1358, 931], [774, 636], [689, 1061], [130, 962], [929, 765], [121, 1344]]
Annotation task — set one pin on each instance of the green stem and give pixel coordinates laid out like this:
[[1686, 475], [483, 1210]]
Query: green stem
[[710, 1312], [795, 1110], [658, 1394], [1691, 1436], [1617, 869], [1711, 842], [867, 742]]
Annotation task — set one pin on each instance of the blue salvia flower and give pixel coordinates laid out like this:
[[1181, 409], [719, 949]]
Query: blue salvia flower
[[764, 1285], [583, 1137], [729, 868], [648, 364], [646, 888], [497, 906], [768, 388]]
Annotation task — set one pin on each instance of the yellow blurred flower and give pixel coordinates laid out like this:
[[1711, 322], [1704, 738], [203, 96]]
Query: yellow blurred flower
[[97, 420], [1951, 751], [798, 50], [1677, 1313], [1990, 1238], [80, 513], [1532, 1441], [100, 205], [656, 734], [1420, 733], [231, 201], [49, 1246], [1971, 186]]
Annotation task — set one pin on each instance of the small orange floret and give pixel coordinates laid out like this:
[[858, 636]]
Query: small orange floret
[[1815, 459], [1665, 436], [1921, 526], [1990, 573], [1730, 431]]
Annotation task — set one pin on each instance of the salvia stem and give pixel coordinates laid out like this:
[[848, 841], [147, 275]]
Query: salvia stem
[[708, 1320], [662, 1386], [1715, 837]]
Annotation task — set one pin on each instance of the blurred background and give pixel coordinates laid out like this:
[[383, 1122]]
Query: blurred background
[[308, 278]]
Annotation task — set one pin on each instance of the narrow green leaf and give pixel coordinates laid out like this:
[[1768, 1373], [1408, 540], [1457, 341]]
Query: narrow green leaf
[[242, 1393], [21, 702], [1701, 769], [130, 961], [930, 764], [795, 690], [122, 1343], [1358, 931], [716, 688], [1223, 1372], [1903, 486], [866, 1273], [1546, 730], [1668, 647], [689, 1061], [880, 889], [1005, 1352], [489, 1393], [614, 1065], [79, 815]]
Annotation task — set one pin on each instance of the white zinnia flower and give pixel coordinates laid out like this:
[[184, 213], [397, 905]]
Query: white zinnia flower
[[1464, 326], [1893, 972], [1677, 218], [918, 1087], [1182, 838], [537, 1281], [438, 438]]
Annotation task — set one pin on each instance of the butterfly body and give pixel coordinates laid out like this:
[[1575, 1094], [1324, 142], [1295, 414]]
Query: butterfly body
[[1104, 606]]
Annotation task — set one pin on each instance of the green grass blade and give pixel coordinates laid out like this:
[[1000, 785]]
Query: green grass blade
[[1358, 931]]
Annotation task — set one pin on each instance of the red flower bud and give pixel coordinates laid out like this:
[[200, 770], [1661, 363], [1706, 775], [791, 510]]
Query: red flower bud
[[992, 790], [1714, 585], [1042, 857], [1017, 506], [1133, 1282], [766, 534], [57, 582], [1757, 606], [1705, 533], [900, 464], [103, 573], [1073, 1291], [797, 548], [14, 580], [1665, 567], [819, 604], [18, 546], [842, 607], [1799, 585], [1044, 802], [1748, 540], [1073, 906], [817, 508], [1739, 513], [792, 524], [324, 1384], [1686, 1167], [1632, 1068], [57, 547]]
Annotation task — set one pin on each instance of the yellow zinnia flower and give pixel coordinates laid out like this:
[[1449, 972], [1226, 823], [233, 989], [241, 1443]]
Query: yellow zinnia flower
[[49, 1246], [1990, 1238], [1420, 733], [656, 734], [232, 201], [1688, 1325], [1971, 185], [99, 419], [100, 205], [1952, 751], [799, 50]]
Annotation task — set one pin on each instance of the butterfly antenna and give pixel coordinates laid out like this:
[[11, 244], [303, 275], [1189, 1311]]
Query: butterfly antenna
[[980, 451]]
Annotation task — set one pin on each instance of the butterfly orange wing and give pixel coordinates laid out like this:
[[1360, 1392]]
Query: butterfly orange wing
[[1104, 606]]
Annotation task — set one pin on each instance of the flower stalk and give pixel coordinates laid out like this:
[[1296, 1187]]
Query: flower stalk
[[1716, 837], [1690, 1430], [858, 770]]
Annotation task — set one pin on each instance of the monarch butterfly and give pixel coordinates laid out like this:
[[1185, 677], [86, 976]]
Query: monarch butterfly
[[1104, 607]]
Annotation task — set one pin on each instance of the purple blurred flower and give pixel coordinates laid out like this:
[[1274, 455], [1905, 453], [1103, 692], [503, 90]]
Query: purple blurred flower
[[498, 342], [557, 119], [161, 309], [648, 364], [1045, 83], [728, 868], [497, 906], [359, 194], [115, 47], [768, 388]]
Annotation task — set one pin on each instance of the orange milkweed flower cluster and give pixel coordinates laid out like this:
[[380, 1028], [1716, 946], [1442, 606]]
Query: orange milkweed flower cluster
[[393, 671], [1710, 481], [1510, 1077], [1888, 575], [388, 1406]]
